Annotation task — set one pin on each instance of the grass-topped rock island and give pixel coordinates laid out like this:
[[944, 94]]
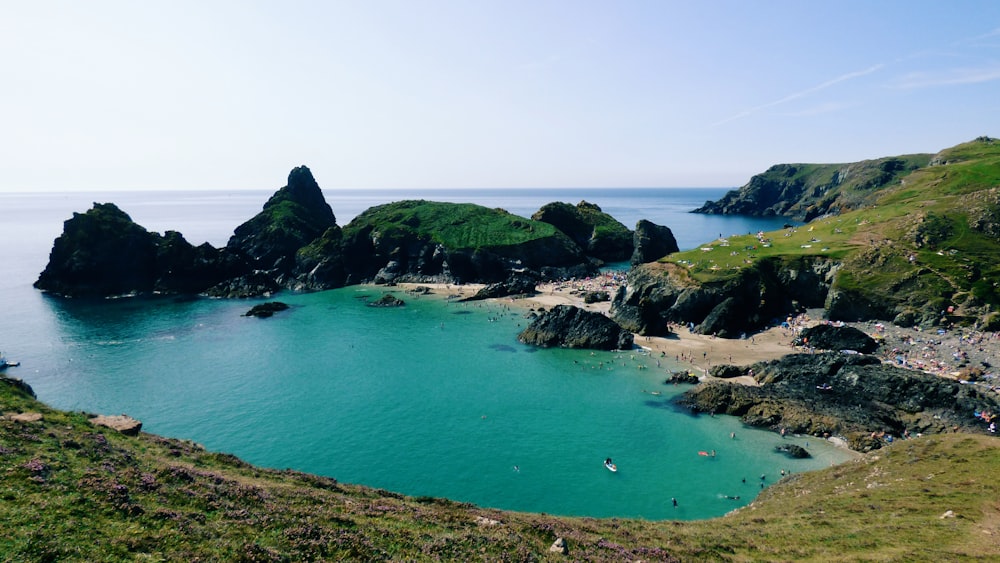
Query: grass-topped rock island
[[907, 243]]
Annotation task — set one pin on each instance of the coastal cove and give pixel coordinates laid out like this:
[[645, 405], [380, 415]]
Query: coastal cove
[[435, 398]]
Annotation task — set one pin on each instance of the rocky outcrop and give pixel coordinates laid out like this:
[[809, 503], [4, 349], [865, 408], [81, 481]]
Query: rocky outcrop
[[387, 300], [292, 218], [295, 243], [651, 242], [265, 310], [104, 253], [571, 327], [595, 232], [420, 241], [659, 294], [793, 451], [856, 396], [122, 423], [807, 191], [519, 284], [830, 337], [19, 385], [682, 377]]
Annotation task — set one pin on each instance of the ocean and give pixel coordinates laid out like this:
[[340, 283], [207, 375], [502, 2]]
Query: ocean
[[436, 398]]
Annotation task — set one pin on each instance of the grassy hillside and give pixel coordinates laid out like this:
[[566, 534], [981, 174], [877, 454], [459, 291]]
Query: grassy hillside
[[930, 241], [455, 225], [74, 492]]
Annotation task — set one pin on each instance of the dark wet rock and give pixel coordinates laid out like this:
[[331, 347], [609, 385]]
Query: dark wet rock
[[595, 232], [727, 371], [830, 337], [793, 451], [852, 395], [652, 242], [518, 284], [387, 300], [571, 327], [254, 284], [682, 377], [265, 310]]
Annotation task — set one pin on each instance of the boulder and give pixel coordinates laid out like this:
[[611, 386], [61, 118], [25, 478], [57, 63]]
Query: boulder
[[596, 297], [265, 310], [122, 423], [793, 451], [727, 371], [518, 284], [830, 337], [387, 300], [652, 242], [559, 546], [682, 377], [25, 417], [571, 327]]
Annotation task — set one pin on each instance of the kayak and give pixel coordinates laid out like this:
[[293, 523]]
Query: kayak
[[611, 467]]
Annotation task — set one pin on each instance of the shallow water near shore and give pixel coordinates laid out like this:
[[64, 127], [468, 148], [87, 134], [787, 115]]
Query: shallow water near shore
[[436, 398]]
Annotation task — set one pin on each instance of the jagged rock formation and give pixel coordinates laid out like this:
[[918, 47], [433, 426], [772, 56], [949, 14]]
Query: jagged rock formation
[[658, 294], [595, 232], [292, 218], [651, 242], [104, 253], [294, 242], [850, 395], [571, 327]]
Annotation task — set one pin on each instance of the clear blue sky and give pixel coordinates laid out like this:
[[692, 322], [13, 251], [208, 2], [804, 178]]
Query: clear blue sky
[[480, 93]]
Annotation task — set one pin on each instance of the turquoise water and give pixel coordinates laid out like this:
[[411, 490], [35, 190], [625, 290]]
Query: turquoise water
[[435, 398]]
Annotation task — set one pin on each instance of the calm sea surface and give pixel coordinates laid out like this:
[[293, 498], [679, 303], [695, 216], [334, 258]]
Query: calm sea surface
[[435, 398]]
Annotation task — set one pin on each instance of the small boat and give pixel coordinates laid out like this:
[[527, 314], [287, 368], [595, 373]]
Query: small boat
[[611, 466], [4, 364]]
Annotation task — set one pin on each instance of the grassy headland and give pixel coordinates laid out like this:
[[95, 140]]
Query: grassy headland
[[930, 239]]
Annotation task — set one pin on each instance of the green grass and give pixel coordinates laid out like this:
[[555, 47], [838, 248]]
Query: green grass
[[74, 492], [945, 216], [455, 225]]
